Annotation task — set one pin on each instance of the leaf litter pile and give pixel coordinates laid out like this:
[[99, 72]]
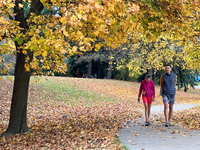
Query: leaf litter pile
[[189, 119], [71, 113]]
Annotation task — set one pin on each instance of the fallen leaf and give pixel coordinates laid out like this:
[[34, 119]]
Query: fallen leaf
[[133, 144]]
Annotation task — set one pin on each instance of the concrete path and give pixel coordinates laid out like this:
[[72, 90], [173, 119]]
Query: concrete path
[[197, 87], [157, 137]]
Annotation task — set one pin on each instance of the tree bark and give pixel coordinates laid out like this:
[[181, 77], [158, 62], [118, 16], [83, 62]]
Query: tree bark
[[179, 83], [99, 69], [149, 71], [109, 73], [153, 75], [89, 69], [18, 112]]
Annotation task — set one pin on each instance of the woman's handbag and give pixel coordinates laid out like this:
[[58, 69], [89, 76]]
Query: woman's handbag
[[143, 92]]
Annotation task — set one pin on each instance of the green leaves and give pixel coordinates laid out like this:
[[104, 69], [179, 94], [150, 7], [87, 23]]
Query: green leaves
[[18, 39]]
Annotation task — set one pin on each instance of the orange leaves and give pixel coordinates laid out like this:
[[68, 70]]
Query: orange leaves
[[133, 7], [56, 124], [188, 118], [62, 121]]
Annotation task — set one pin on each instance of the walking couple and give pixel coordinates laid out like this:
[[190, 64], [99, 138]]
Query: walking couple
[[168, 90]]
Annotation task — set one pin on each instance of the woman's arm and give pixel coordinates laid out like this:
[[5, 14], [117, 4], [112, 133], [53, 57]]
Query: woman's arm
[[140, 90]]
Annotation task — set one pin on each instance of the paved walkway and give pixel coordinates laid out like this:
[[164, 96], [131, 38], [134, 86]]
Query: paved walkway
[[197, 87], [157, 137]]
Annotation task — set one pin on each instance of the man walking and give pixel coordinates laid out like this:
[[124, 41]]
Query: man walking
[[168, 91]]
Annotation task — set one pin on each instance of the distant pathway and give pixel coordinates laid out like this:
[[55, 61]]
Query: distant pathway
[[197, 87], [157, 137]]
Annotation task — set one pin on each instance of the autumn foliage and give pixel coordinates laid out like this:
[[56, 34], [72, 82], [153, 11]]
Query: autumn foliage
[[92, 24], [66, 120]]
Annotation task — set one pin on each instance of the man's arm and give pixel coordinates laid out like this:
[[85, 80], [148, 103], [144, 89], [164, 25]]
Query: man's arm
[[153, 89], [175, 79], [161, 82]]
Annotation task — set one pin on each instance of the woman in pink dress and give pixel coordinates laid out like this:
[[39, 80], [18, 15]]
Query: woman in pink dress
[[147, 90]]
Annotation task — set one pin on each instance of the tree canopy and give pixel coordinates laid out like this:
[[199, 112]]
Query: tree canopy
[[85, 21]]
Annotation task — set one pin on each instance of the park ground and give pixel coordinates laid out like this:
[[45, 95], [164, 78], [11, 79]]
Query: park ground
[[79, 113]]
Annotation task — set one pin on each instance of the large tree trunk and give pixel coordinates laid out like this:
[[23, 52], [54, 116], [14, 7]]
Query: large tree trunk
[[179, 83], [98, 69], [149, 71], [18, 111], [109, 73], [153, 75], [89, 69], [18, 123]]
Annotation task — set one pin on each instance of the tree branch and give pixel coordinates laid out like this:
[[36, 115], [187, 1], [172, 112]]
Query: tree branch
[[3, 37], [36, 7]]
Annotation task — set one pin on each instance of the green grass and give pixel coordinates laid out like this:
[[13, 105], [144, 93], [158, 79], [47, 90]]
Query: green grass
[[5, 77], [118, 142], [73, 94], [197, 107]]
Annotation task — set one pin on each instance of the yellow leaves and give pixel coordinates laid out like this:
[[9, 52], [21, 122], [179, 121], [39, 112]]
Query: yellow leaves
[[65, 33], [111, 20], [80, 35], [188, 118], [10, 3], [133, 144], [27, 67], [133, 7], [44, 54], [79, 16], [24, 52], [183, 135], [97, 47], [63, 51], [21, 5], [74, 48], [84, 17]]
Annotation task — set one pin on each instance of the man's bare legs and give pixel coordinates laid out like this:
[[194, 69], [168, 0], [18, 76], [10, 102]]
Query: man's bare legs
[[170, 112], [166, 111]]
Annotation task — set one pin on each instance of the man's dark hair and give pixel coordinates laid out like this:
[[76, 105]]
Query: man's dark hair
[[168, 65], [148, 76]]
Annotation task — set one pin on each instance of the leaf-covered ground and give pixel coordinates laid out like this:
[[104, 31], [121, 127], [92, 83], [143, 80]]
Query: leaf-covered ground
[[72, 113], [189, 119]]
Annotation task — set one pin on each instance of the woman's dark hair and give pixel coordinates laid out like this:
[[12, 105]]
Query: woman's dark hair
[[148, 76]]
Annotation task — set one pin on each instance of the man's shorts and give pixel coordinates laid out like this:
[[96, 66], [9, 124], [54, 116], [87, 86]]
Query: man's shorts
[[168, 99], [147, 99]]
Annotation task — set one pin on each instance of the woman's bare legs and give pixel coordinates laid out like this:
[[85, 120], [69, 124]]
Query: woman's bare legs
[[147, 111]]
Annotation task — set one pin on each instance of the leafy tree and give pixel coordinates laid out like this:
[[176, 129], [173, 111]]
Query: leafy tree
[[45, 37], [185, 77]]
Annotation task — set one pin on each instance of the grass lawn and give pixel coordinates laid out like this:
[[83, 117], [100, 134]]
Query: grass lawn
[[72, 113]]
